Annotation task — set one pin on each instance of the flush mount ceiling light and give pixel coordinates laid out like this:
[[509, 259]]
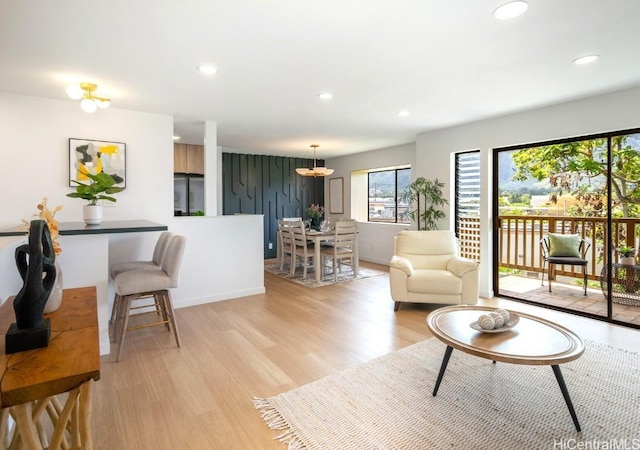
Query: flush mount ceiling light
[[90, 102], [585, 59], [325, 95], [316, 171], [510, 10], [207, 69]]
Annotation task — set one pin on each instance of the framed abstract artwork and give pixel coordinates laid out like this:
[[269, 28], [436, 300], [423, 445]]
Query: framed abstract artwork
[[91, 156], [336, 196]]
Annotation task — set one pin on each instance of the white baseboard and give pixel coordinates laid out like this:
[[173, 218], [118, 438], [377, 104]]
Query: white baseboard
[[183, 303]]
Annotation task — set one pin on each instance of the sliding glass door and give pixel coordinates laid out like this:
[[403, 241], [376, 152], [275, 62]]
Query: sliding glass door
[[588, 187]]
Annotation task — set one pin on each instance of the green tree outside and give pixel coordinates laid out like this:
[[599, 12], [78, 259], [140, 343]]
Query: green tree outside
[[580, 168]]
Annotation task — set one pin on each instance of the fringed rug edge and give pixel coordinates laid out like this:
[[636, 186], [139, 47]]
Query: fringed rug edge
[[274, 420]]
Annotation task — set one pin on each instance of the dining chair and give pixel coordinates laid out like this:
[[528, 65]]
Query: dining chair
[[300, 248], [285, 242], [344, 242], [141, 283]]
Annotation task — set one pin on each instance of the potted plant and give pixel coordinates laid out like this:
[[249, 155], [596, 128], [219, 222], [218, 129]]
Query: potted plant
[[101, 187], [428, 198], [627, 255]]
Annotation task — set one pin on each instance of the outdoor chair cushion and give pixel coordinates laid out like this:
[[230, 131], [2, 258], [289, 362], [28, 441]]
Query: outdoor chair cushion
[[564, 245]]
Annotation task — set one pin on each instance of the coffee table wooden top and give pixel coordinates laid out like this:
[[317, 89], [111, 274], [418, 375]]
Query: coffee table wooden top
[[533, 341]]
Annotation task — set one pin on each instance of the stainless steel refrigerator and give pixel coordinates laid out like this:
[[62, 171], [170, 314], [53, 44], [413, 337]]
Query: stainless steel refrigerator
[[188, 195]]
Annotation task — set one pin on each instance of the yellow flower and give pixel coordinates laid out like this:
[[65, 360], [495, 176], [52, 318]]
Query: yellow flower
[[49, 217]]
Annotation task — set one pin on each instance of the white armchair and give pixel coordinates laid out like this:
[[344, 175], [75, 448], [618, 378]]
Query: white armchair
[[426, 268]]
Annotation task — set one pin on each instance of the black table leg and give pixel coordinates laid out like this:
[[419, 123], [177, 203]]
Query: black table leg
[[565, 394], [443, 367]]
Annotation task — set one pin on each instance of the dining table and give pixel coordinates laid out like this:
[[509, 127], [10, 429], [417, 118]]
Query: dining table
[[326, 236]]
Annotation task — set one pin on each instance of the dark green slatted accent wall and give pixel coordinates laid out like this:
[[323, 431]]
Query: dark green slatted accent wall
[[269, 185]]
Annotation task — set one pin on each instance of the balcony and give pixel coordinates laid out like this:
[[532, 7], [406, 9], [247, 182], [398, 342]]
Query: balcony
[[520, 260]]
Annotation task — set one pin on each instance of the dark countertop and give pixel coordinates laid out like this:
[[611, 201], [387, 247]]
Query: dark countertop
[[106, 227]]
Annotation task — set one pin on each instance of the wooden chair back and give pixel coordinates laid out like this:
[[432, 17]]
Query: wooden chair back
[[345, 234]]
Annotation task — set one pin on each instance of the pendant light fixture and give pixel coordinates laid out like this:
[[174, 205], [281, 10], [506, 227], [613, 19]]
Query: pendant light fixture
[[90, 102], [316, 171]]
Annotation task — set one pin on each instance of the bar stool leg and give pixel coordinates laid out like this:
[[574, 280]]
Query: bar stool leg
[[126, 305], [161, 308], [166, 295], [114, 309], [113, 323], [119, 314]]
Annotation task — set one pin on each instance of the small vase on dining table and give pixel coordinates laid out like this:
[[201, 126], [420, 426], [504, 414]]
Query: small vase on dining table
[[315, 223]]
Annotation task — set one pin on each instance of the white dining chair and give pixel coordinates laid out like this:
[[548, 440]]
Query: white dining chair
[[343, 247], [285, 241], [300, 248]]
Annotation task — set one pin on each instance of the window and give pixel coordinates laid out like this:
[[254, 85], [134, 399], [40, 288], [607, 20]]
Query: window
[[385, 187], [467, 207]]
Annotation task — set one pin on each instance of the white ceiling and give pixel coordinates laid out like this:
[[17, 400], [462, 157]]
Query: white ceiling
[[445, 61]]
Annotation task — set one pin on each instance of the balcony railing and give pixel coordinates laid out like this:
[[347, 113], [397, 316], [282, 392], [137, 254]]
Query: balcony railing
[[519, 240]]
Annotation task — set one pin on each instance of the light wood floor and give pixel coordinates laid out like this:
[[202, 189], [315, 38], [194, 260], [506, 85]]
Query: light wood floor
[[200, 396]]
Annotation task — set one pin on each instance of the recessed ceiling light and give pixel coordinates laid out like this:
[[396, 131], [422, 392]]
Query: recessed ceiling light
[[510, 10], [175, 138], [325, 96], [207, 70], [585, 59], [403, 113]]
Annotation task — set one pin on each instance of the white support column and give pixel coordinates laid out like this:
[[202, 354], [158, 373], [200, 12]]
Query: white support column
[[212, 170]]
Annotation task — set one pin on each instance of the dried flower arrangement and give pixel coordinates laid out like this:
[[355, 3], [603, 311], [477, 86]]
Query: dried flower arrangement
[[49, 217]]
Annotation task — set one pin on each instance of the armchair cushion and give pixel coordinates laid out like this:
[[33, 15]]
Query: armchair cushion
[[460, 266], [398, 262], [426, 249], [429, 281], [564, 245]]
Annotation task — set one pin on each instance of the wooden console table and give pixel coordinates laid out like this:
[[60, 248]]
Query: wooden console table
[[31, 380]]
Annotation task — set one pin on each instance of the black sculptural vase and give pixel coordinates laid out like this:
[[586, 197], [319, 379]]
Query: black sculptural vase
[[38, 274]]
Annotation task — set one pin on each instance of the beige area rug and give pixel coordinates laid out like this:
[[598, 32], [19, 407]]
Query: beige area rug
[[346, 274], [387, 404]]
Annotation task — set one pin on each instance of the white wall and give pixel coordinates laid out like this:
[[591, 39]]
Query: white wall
[[375, 239], [35, 158], [223, 256], [608, 112]]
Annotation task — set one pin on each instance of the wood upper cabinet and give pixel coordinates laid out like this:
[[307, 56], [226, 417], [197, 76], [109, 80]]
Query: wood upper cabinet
[[180, 158], [188, 158], [195, 159]]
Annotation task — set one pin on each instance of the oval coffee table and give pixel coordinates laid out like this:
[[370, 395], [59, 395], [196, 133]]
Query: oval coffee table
[[533, 341]]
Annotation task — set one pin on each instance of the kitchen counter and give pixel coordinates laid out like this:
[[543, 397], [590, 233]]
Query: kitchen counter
[[85, 259], [106, 227]]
